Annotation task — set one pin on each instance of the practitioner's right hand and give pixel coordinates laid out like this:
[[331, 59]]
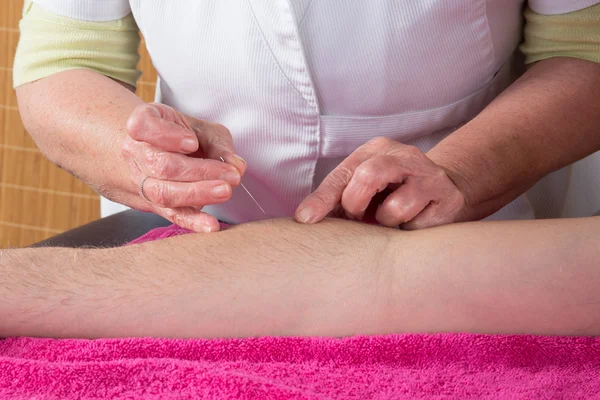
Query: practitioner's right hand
[[177, 158]]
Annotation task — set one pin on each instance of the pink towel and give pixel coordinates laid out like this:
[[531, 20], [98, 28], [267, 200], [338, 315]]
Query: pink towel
[[445, 366], [163, 233], [382, 367]]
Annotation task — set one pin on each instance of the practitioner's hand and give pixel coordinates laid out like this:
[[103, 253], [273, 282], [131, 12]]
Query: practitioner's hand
[[177, 158], [421, 194]]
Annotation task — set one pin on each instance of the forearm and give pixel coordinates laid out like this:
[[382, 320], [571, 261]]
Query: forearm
[[547, 119], [335, 278], [78, 120], [273, 277], [510, 277]]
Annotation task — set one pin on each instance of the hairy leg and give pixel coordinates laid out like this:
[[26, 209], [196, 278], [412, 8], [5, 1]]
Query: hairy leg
[[335, 278]]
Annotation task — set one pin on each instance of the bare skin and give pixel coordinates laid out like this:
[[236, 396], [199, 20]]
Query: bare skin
[[336, 278]]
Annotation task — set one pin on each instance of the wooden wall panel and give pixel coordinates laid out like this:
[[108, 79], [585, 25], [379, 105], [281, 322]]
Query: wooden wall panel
[[37, 199]]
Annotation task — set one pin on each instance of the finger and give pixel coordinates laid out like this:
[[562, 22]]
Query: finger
[[216, 142], [328, 195], [428, 218], [147, 125], [190, 218], [169, 194], [370, 178], [181, 168], [403, 204], [437, 213]]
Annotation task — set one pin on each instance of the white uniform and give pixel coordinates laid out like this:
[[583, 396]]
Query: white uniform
[[303, 83]]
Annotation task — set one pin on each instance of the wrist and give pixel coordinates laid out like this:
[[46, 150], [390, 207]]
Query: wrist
[[489, 164], [459, 170], [486, 186]]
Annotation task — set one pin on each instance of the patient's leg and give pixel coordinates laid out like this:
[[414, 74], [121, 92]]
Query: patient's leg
[[334, 278]]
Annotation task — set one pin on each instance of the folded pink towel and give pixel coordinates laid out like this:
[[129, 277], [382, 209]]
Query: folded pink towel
[[449, 366], [163, 233]]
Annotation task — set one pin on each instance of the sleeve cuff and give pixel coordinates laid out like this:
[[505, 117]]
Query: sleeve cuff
[[50, 43], [574, 35], [87, 10], [553, 7]]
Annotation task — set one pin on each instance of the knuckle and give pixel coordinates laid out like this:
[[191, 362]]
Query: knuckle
[[161, 165], [440, 174], [380, 142], [191, 196], [162, 194], [134, 125], [217, 141], [202, 171], [341, 175], [223, 130], [127, 148], [220, 137], [154, 106], [179, 220], [322, 199], [413, 151], [137, 119], [169, 214], [149, 154], [199, 127], [365, 174], [147, 110], [319, 198]]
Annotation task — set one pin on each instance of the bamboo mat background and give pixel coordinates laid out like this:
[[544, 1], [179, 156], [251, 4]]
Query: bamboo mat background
[[37, 199]]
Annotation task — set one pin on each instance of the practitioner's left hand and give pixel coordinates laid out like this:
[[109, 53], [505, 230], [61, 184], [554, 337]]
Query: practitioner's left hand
[[421, 193]]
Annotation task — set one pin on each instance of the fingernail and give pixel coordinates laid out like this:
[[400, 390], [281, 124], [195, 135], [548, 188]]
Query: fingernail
[[240, 160], [232, 177], [189, 144], [207, 229], [305, 215], [220, 191]]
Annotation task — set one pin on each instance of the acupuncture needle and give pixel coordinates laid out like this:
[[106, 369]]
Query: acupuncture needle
[[249, 194]]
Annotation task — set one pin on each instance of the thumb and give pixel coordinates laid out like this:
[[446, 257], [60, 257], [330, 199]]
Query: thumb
[[216, 143], [158, 126]]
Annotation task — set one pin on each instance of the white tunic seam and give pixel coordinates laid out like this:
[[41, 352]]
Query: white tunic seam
[[287, 78]]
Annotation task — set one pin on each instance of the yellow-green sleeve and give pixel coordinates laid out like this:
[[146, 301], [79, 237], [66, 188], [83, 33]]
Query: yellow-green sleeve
[[575, 34], [50, 43]]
